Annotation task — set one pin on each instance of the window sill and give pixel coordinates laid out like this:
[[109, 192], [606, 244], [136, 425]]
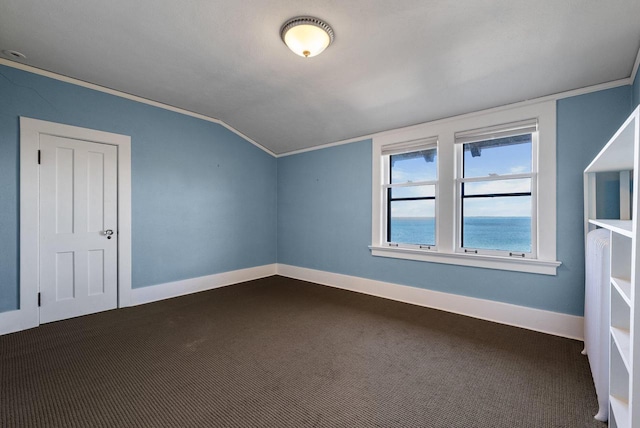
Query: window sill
[[543, 267]]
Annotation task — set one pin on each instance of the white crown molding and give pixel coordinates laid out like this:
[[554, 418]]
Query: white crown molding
[[555, 323], [67, 79], [334, 144], [553, 97]]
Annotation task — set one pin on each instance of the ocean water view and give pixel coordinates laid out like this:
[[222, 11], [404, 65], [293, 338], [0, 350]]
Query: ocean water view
[[488, 233]]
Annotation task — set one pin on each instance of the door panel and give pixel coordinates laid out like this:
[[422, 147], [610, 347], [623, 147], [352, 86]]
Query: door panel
[[96, 272], [64, 276], [78, 194], [64, 190], [95, 192]]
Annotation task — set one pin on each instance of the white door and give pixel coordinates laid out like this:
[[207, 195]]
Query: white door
[[78, 228]]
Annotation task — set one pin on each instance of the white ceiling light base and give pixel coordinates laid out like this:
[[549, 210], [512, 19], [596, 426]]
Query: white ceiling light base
[[306, 36]]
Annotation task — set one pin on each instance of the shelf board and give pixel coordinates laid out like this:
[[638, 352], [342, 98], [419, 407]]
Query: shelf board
[[617, 154], [623, 286], [622, 339], [620, 409], [622, 227]]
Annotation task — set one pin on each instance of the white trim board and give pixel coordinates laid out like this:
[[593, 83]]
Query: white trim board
[[17, 320], [13, 321], [449, 164], [168, 290], [554, 323], [67, 79]]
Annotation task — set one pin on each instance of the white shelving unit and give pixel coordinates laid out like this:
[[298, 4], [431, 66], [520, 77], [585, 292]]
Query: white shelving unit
[[621, 154]]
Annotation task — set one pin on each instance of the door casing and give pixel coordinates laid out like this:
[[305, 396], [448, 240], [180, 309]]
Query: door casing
[[27, 315]]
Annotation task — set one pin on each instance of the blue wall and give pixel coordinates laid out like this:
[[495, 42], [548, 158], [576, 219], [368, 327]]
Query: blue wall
[[324, 215], [206, 201], [203, 199], [636, 90]]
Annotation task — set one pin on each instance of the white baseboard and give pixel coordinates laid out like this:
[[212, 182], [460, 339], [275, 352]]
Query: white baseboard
[[12, 321], [168, 290], [554, 323]]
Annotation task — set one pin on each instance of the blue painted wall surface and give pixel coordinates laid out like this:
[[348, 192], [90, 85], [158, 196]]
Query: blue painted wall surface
[[206, 201], [636, 91], [203, 199], [324, 215]]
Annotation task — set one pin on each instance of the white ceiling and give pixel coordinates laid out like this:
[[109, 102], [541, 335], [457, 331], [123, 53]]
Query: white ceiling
[[392, 63]]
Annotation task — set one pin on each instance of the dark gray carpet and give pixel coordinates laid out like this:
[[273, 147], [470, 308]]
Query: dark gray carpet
[[283, 353]]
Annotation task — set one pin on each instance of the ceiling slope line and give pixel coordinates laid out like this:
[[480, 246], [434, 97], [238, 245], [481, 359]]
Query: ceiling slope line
[[634, 71], [115, 92], [571, 93], [553, 97]]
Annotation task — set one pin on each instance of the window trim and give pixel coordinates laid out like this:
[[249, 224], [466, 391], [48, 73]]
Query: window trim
[[445, 130], [533, 176], [406, 147]]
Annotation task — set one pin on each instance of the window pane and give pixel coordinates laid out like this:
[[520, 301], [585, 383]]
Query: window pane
[[414, 166], [413, 192], [497, 223], [413, 222], [511, 155], [498, 187]]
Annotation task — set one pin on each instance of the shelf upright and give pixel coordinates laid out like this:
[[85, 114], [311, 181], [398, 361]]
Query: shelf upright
[[621, 154]]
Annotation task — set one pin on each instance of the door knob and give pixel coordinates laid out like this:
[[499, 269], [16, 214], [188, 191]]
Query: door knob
[[108, 232]]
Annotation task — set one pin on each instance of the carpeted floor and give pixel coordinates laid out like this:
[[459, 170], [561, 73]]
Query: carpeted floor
[[278, 352]]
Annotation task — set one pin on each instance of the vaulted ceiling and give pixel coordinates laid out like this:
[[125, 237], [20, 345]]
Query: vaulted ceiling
[[392, 63]]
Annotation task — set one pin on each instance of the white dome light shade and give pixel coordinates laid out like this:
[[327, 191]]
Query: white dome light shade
[[306, 36]]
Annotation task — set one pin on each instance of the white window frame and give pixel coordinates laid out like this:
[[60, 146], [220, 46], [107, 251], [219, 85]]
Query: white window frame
[[447, 191], [406, 147], [533, 175]]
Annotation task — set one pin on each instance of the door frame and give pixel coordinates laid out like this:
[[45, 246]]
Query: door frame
[[30, 131]]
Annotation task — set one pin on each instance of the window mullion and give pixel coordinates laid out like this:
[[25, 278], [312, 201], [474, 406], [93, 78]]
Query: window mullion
[[412, 184], [413, 198], [496, 195]]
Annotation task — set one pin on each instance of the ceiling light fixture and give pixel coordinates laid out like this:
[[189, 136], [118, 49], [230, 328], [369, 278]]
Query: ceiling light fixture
[[306, 36]]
